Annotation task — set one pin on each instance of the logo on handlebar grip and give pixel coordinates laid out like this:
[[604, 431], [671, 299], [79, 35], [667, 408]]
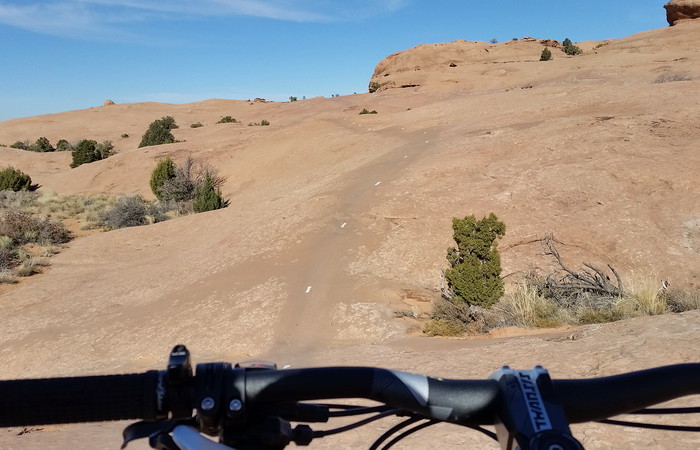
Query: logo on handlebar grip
[[533, 400]]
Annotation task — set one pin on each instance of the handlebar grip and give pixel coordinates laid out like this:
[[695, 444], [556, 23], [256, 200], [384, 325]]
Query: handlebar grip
[[78, 399], [599, 398]]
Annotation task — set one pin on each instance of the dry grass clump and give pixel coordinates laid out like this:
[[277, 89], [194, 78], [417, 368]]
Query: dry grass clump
[[6, 277], [133, 210], [32, 224], [91, 211], [679, 300], [26, 236], [30, 266], [85, 209], [18, 200], [406, 313], [8, 254], [450, 318], [23, 228], [23, 236], [525, 307], [441, 327], [642, 297]]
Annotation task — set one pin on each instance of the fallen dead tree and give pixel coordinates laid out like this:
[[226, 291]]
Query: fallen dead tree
[[567, 286]]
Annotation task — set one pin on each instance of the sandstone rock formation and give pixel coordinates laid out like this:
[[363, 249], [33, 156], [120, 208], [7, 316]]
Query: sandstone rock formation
[[108, 103], [677, 10]]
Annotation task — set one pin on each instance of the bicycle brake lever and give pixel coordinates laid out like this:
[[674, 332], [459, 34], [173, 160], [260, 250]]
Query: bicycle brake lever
[[150, 430]]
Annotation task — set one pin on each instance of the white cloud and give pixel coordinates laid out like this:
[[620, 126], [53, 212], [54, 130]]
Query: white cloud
[[110, 19], [294, 10], [58, 18]]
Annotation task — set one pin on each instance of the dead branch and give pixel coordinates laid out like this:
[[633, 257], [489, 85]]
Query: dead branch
[[589, 281]]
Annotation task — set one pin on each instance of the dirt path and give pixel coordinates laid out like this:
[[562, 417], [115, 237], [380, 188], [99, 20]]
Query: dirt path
[[316, 268]]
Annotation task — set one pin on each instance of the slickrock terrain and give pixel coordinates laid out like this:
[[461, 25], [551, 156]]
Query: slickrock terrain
[[337, 219]]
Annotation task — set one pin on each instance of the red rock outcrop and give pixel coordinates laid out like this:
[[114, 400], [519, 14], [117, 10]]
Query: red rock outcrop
[[677, 10]]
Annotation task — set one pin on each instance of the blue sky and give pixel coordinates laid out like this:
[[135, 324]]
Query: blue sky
[[60, 55]]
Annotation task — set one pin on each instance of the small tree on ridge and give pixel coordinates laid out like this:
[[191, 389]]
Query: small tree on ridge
[[159, 132]]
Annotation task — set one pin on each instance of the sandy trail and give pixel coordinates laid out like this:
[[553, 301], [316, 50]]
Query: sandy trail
[[316, 267]]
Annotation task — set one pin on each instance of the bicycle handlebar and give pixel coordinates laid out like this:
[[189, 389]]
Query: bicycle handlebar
[[466, 402], [78, 399]]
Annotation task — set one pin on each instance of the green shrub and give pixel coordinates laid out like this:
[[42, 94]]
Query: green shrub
[[292, 99], [366, 111], [42, 145], [159, 132], [15, 180], [63, 146], [193, 187], [207, 197], [546, 55], [374, 86], [570, 48], [21, 145], [196, 125], [180, 187], [85, 152], [227, 119], [164, 172], [264, 123], [474, 275], [129, 211]]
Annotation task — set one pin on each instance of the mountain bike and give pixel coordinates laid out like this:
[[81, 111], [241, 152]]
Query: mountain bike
[[254, 405]]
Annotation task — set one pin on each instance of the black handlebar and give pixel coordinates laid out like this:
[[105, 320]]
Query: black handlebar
[[599, 398], [460, 401], [78, 399], [144, 396]]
